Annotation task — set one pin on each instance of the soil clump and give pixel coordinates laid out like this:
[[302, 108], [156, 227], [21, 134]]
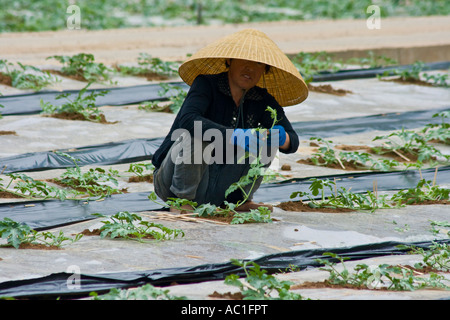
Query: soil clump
[[299, 206], [145, 178], [75, 116], [326, 88], [7, 133]]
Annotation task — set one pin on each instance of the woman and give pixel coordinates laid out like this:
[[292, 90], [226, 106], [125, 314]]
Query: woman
[[233, 81]]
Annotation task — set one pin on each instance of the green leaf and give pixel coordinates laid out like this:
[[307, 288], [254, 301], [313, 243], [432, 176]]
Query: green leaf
[[206, 209]]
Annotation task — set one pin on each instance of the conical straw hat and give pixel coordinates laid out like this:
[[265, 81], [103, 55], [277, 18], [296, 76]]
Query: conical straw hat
[[283, 80]]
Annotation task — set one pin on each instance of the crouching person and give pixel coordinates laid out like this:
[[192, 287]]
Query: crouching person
[[224, 124]]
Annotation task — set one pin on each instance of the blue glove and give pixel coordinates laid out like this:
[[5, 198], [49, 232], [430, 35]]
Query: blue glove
[[246, 139], [277, 132]]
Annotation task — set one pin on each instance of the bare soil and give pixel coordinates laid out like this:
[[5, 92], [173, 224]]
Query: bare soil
[[150, 76], [34, 246], [70, 76], [326, 88], [80, 189], [299, 206], [348, 165], [7, 132], [9, 195], [75, 116], [97, 232], [87, 232], [431, 202], [399, 156], [5, 79], [227, 295], [38, 246], [348, 147], [410, 81], [144, 178], [326, 284]]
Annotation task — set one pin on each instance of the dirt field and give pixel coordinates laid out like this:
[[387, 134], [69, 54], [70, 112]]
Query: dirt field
[[405, 39]]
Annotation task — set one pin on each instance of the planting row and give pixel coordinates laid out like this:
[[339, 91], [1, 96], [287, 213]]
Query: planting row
[[407, 148], [83, 67], [255, 282], [258, 284], [123, 223]]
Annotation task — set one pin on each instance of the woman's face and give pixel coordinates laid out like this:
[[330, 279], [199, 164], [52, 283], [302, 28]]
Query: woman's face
[[245, 74]]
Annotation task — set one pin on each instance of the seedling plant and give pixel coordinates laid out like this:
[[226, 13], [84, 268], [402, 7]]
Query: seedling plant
[[310, 64], [436, 257], [174, 103], [327, 156], [94, 182], [397, 278], [130, 226], [83, 66], [408, 143], [150, 65], [139, 168], [411, 147], [142, 171], [373, 61], [145, 292], [414, 74], [28, 187], [340, 198], [26, 77], [83, 105], [259, 285], [437, 225], [343, 198], [438, 132], [424, 191], [17, 234]]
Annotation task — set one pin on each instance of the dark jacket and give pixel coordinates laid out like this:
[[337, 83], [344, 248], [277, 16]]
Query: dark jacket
[[209, 100]]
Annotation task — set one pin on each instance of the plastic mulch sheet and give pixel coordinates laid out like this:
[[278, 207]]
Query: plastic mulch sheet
[[142, 149], [358, 182], [48, 214], [355, 125], [56, 285], [373, 72], [103, 154], [30, 103]]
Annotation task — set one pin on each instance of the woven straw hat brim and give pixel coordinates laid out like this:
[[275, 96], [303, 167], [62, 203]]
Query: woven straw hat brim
[[283, 80]]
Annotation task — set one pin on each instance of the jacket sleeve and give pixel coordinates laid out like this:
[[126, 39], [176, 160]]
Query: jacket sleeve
[[195, 107]]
